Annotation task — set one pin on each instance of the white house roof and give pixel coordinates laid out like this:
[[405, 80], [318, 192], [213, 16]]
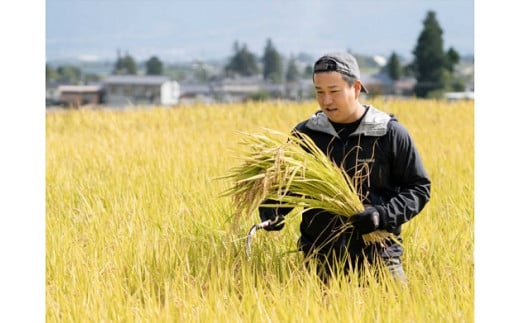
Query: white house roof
[[137, 79], [195, 88], [79, 88]]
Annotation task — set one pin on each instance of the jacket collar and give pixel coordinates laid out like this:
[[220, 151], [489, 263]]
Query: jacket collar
[[374, 123]]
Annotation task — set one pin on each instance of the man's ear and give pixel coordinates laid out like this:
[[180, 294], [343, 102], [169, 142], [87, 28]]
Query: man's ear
[[357, 87]]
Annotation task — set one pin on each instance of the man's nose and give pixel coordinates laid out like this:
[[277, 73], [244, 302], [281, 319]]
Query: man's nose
[[327, 98]]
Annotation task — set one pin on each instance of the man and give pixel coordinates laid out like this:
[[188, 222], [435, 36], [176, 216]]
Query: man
[[370, 145]]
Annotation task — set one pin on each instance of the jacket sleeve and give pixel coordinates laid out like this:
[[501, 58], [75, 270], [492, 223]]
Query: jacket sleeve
[[408, 176]]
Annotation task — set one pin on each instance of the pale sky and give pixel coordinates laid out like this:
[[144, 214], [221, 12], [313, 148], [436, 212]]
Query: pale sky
[[198, 29]]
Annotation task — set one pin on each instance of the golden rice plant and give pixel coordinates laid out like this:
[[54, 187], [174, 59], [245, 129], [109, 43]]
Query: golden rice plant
[[294, 172], [135, 230]]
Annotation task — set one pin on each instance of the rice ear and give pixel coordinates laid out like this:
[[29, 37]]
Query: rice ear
[[293, 171]]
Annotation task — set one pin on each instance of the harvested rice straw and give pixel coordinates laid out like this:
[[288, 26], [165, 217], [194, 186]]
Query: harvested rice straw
[[294, 172]]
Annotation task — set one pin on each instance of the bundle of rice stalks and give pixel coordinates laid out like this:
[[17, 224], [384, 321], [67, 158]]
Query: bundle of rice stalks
[[295, 173]]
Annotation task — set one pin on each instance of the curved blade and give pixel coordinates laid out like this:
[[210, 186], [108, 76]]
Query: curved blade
[[252, 232]]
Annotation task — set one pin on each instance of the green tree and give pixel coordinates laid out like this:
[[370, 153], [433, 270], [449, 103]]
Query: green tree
[[452, 59], [292, 70], [125, 65], [69, 74], [393, 67], [50, 73], [429, 61], [273, 69], [91, 78], [243, 62], [408, 70], [154, 66], [308, 71]]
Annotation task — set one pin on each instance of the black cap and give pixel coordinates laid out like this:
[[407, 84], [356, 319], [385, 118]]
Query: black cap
[[343, 63]]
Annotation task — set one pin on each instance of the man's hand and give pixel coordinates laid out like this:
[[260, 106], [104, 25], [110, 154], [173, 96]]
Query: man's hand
[[269, 213], [366, 221]]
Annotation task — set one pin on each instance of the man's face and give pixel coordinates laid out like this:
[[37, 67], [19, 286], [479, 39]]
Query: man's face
[[336, 98]]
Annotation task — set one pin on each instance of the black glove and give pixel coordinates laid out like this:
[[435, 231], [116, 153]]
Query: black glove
[[367, 221], [269, 213]]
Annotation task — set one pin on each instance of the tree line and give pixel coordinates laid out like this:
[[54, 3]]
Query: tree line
[[432, 67]]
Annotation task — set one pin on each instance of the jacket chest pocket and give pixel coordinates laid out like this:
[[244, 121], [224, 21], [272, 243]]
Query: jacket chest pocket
[[380, 174]]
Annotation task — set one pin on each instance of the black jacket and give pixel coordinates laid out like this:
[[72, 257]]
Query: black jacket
[[396, 183]]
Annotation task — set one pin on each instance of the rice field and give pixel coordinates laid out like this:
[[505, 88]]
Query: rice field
[[137, 229]]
